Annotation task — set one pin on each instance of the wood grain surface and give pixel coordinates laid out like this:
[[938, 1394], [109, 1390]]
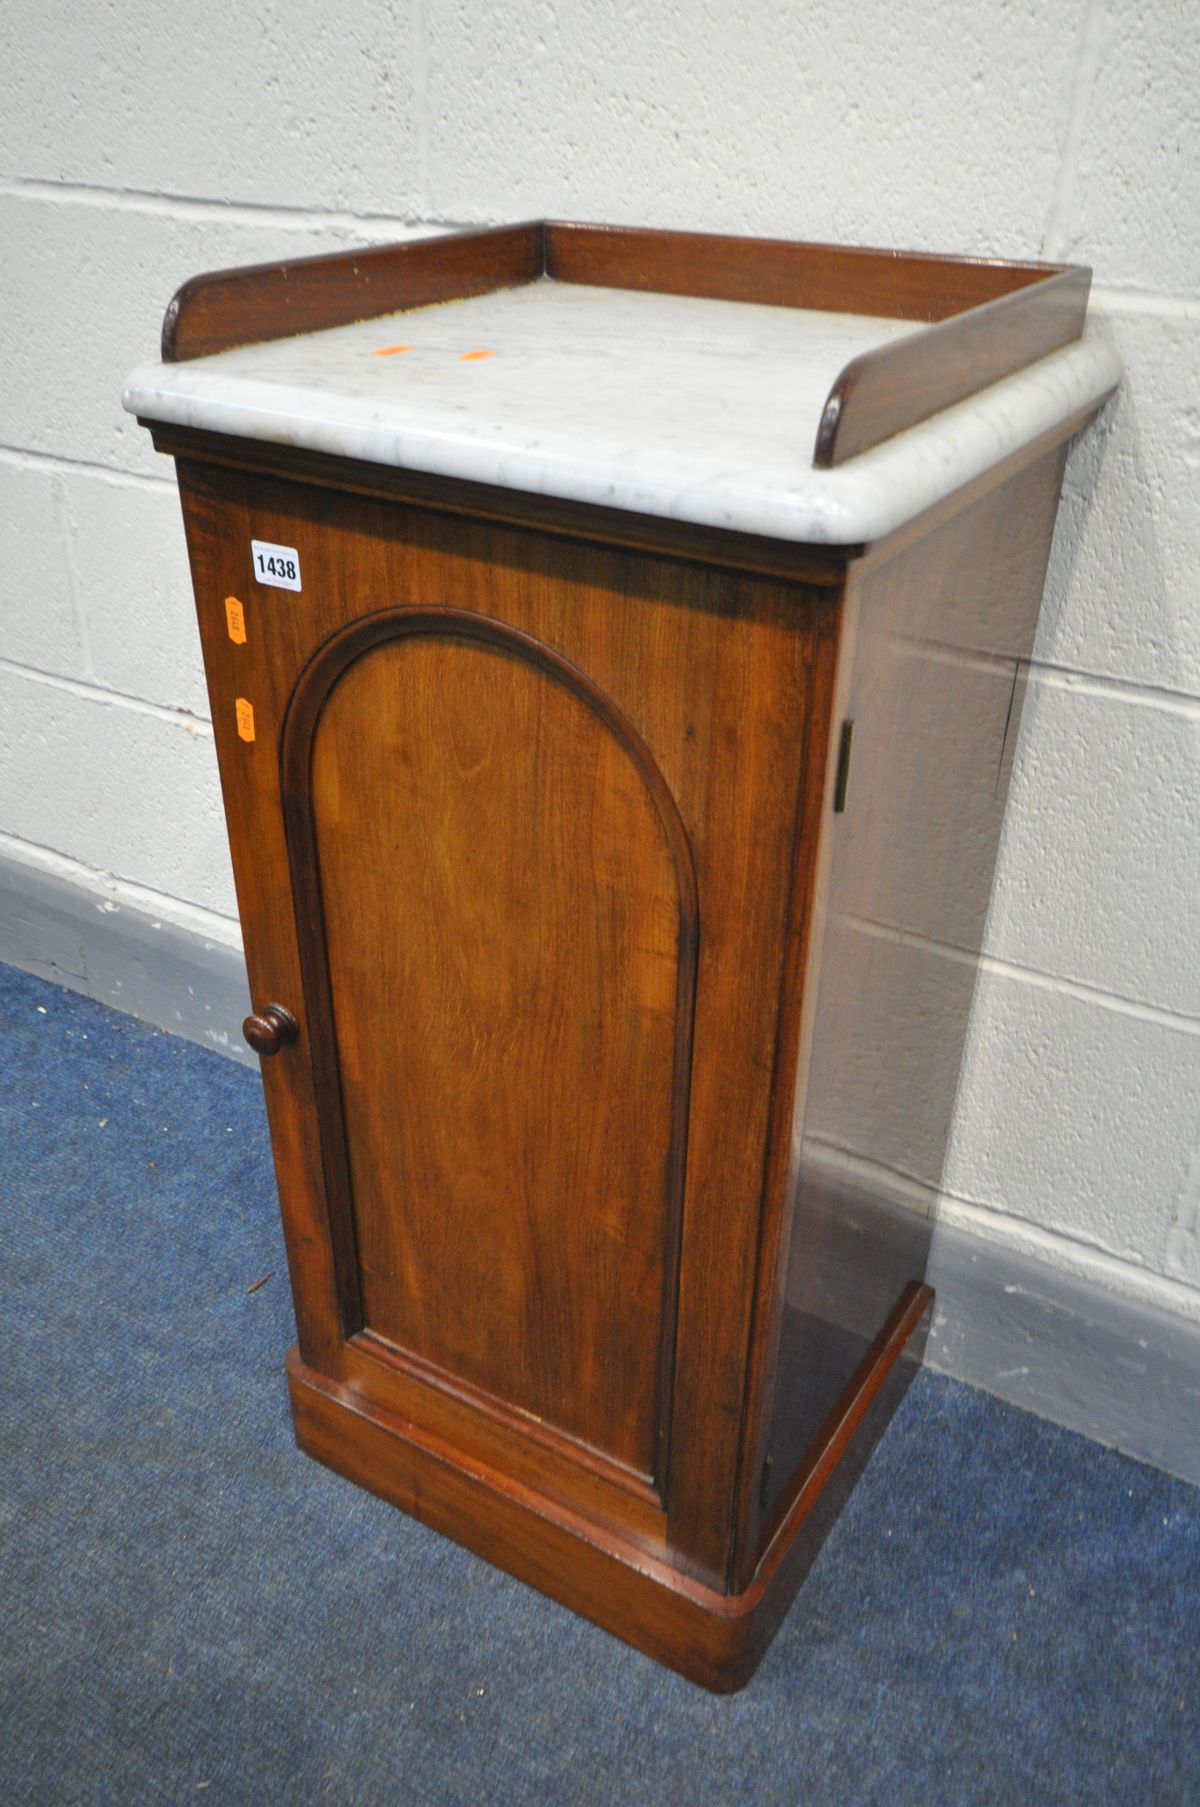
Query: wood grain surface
[[499, 924], [899, 384], [904, 285], [714, 673], [221, 308], [531, 816]]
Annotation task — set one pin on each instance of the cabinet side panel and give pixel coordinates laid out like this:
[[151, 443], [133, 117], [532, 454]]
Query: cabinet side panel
[[933, 670]]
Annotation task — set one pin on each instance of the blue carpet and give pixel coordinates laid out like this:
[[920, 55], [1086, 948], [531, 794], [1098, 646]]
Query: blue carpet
[[192, 1611]]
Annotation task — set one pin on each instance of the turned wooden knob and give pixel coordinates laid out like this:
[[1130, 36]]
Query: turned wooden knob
[[271, 1029]]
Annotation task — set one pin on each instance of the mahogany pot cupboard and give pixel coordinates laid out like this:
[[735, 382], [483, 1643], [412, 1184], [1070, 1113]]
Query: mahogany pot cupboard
[[587, 828]]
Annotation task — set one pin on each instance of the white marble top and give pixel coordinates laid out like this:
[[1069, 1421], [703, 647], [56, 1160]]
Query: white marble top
[[699, 411]]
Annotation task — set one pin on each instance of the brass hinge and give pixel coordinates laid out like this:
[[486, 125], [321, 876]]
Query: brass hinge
[[764, 1485], [843, 768]]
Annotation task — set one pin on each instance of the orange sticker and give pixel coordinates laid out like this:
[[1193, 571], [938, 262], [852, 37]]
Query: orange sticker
[[389, 351], [245, 718], [235, 618], [471, 357]]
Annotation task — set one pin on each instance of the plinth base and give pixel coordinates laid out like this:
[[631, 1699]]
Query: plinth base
[[714, 1639]]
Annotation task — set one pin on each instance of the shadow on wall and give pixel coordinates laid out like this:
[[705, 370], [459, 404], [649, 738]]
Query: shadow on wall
[[1098, 868]]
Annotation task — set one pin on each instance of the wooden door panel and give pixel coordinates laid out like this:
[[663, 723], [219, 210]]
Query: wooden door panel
[[497, 916]]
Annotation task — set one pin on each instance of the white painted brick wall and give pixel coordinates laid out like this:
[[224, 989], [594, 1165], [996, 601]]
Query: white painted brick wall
[[885, 121], [132, 155], [1098, 874], [289, 104]]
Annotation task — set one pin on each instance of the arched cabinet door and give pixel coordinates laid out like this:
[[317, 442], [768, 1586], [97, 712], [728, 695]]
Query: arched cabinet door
[[497, 919]]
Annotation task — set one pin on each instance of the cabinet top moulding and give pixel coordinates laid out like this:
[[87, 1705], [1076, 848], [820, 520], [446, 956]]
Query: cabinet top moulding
[[669, 374]]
